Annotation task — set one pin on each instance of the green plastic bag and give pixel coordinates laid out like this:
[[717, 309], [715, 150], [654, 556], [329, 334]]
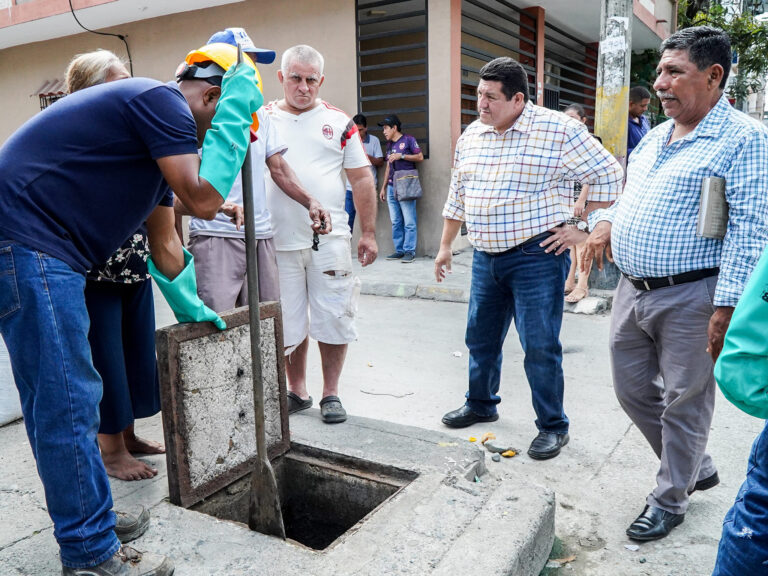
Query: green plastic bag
[[181, 294], [229, 135], [741, 369]]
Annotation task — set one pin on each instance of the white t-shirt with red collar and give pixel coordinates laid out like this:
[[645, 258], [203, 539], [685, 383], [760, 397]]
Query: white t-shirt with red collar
[[322, 143]]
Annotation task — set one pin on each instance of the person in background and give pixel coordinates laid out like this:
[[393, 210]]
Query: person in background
[[375, 157], [403, 153], [577, 291], [218, 245], [637, 124], [118, 295]]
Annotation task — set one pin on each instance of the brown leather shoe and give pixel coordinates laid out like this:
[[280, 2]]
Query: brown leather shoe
[[127, 562]]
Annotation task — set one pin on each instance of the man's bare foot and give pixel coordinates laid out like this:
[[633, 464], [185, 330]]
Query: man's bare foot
[[136, 445], [569, 287], [125, 467]]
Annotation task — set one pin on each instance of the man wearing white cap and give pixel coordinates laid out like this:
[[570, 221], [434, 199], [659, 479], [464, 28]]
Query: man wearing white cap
[[219, 245]]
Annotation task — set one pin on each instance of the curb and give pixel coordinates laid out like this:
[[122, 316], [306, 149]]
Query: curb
[[599, 302]]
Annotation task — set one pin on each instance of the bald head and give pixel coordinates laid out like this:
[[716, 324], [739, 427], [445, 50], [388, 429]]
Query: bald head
[[201, 98]]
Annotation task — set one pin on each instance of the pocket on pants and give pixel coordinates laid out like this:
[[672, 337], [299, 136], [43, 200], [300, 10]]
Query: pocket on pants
[[343, 293], [535, 248], [9, 293]]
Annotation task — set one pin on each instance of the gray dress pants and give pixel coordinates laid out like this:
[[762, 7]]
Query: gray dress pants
[[662, 375]]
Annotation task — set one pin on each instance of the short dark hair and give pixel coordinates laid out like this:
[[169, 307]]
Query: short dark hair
[[578, 108], [360, 119], [705, 46], [638, 94], [510, 73]]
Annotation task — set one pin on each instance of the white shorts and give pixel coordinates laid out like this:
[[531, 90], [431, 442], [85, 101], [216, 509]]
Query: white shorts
[[318, 293]]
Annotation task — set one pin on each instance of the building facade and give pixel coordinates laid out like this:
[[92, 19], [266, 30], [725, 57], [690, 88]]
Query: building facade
[[416, 58]]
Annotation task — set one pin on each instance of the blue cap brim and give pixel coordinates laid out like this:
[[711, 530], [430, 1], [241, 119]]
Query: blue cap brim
[[261, 55]]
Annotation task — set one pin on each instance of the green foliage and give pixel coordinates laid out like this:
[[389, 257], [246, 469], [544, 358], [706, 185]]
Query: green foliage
[[749, 38], [643, 73]]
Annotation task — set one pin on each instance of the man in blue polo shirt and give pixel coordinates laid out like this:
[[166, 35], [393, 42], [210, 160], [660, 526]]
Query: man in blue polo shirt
[[79, 178], [637, 124]]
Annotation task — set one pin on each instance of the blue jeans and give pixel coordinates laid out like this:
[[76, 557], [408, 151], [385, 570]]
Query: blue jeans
[[525, 284], [744, 543], [403, 216], [44, 323], [349, 206]]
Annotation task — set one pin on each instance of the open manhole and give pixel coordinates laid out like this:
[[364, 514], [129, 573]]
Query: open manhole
[[322, 494]]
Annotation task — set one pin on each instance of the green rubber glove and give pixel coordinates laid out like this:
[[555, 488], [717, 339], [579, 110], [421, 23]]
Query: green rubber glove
[[181, 294], [741, 370], [229, 135]]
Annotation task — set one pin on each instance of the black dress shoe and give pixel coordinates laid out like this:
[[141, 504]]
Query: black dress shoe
[[547, 445], [464, 417], [653, 523], [705, 484]]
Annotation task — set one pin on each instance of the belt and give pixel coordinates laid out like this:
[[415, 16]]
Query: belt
[[662, 281], [535, 240]]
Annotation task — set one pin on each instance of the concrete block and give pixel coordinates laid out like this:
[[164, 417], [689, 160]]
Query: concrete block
[[207, 398]]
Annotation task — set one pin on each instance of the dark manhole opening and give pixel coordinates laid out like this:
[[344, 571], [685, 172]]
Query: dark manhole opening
[[322, 494]]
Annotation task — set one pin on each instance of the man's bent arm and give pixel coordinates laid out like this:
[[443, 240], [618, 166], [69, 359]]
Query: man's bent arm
[[164, 243], [197, 195], [286, 179]]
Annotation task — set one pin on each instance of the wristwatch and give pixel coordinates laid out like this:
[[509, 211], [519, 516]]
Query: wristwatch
[[583, 226]]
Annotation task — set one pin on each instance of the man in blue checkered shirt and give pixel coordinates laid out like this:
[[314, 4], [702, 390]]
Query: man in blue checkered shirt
[[512, 183], [674, 302]]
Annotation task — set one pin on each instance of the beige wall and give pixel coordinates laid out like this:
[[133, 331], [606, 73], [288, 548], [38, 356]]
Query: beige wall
[[158, 45]]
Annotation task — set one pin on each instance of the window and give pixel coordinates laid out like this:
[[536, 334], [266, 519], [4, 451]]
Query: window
[[490, 29], [392, 65], [50, 91]]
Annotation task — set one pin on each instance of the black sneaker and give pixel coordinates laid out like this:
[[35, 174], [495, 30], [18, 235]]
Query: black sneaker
[[408, 258], [131, 525], [395, 256], [127, 562]]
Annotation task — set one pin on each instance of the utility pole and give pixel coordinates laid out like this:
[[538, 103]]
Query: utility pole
[[612, 106]]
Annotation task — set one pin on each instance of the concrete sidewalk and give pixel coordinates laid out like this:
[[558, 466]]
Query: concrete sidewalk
[[417, 280]]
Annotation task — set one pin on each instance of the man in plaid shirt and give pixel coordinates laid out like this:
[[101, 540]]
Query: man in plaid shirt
[[674, 302], [512, 185]]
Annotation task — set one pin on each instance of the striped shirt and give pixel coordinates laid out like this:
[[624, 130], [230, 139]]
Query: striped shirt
[[654, 222], [512, 186]]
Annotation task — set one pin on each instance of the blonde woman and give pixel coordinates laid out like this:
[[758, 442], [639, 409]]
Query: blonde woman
[[119, 299]]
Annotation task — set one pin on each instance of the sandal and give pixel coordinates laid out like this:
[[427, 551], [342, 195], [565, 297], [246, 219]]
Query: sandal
[[296, 403], [332, 411], [576, 295]]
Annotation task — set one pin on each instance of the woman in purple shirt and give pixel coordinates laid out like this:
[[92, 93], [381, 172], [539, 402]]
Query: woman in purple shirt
[[402, 154]]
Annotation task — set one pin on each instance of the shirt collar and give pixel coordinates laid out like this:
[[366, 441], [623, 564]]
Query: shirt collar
[[711, 125]]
